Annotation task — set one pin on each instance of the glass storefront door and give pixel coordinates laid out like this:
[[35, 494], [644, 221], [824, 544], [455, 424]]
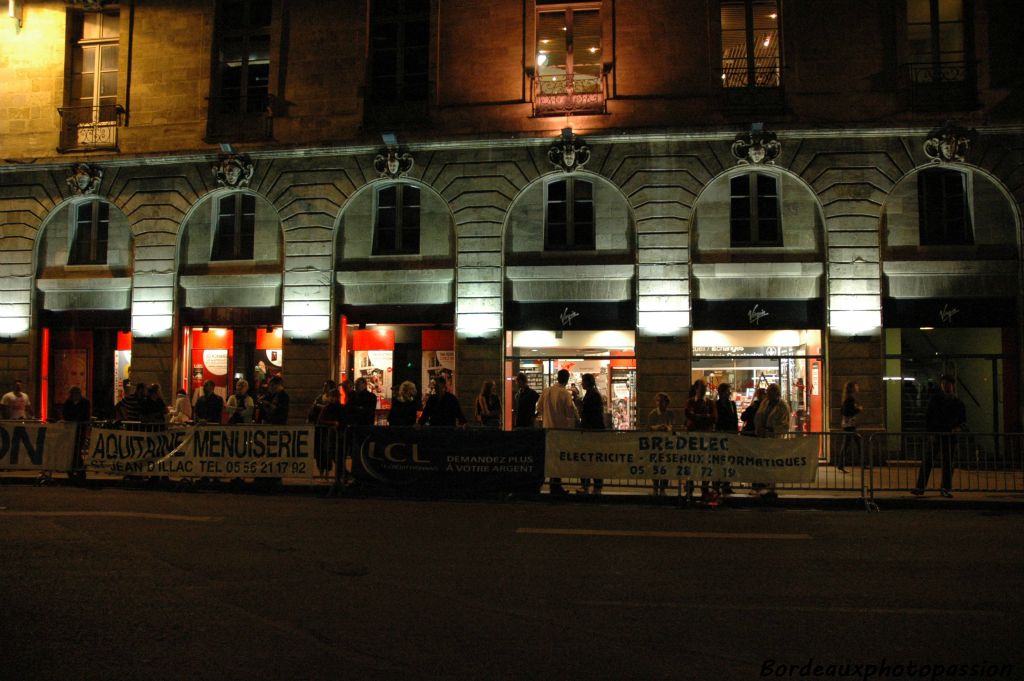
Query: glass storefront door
[[608, 355], [748, 360]]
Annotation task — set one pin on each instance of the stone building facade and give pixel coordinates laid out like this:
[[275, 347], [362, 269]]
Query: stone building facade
[[654, 205]]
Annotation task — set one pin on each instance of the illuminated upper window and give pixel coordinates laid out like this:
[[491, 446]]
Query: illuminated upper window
[[935, 31], [242, 56], [943, 207], [397, 222], [569, 215], [90, 234], [569, 59], [236, 227], [750, 43], [754, 211], [94, 57], [399, 46]]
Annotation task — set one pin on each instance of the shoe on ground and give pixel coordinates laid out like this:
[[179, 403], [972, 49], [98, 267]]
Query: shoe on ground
[[946, 493], [917, 491]]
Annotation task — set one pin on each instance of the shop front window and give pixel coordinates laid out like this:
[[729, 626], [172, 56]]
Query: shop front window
[[916, 359], [608, 355], [226, 355], [748, 360]]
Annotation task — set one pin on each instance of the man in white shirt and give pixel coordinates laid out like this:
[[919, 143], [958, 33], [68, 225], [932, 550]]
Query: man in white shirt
[[16, 404], [556, 410]]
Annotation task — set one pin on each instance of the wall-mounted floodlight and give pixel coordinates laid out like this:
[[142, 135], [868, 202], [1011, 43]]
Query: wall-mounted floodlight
[[390, 139]]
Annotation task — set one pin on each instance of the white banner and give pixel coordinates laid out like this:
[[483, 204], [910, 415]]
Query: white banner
[[652, 455], [205, 451], [36, 446]]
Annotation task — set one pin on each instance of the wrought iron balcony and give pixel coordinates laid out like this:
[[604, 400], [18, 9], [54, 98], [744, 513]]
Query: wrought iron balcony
[[568, 94], [753, 90], [231, 119], [89, 127], [942, 86]]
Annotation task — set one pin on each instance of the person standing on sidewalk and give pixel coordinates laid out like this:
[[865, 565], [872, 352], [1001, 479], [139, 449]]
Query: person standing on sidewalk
[[727, 423], [701, 415], [772, 419], [557, 411], [946, 415], [663, 419], [850, 448], [591, 418], [524, 404]]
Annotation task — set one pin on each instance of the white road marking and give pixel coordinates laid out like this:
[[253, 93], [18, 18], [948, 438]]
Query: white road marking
[[746, 607], [111, 514], [654, 533]]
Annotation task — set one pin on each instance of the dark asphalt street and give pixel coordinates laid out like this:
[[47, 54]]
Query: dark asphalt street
[[136, 584]]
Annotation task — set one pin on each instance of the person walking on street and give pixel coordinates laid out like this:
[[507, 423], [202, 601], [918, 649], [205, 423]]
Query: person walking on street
[[557, 411], [591, 418], [524, 404], [946, 415]]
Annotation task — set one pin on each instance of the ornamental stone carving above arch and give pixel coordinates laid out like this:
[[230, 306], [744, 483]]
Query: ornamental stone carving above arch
[[756, 146], [233, 170], [391, 163], [569, 152], [84, 179], [949, 143]]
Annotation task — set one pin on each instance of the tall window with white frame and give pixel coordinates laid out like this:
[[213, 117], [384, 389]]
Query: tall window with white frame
[[754, 211], [944, 215], [569, 58], [397, 220], [400, 46], [242, 57], [235, 232], [91, 115], [569, 215], [935, 36], [90, 233], [750, 44]]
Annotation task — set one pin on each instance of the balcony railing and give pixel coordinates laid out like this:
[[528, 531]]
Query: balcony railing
[[753, 91], [89, 127], [568, 94], [942, 86], [230, 119]]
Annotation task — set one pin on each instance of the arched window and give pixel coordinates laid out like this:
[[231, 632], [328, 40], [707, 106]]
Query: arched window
[[754, 211], [236, 227], [89, 234], [943, 207], [569, 215], [397, 220]]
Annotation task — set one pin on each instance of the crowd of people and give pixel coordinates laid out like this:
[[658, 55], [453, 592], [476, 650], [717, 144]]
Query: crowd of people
[[558, 406]]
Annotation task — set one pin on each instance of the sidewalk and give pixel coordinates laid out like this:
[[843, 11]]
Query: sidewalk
[[846, 498]]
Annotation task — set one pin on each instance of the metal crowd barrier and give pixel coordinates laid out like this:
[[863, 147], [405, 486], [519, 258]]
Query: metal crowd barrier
[[972, 462], [859, 465]]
